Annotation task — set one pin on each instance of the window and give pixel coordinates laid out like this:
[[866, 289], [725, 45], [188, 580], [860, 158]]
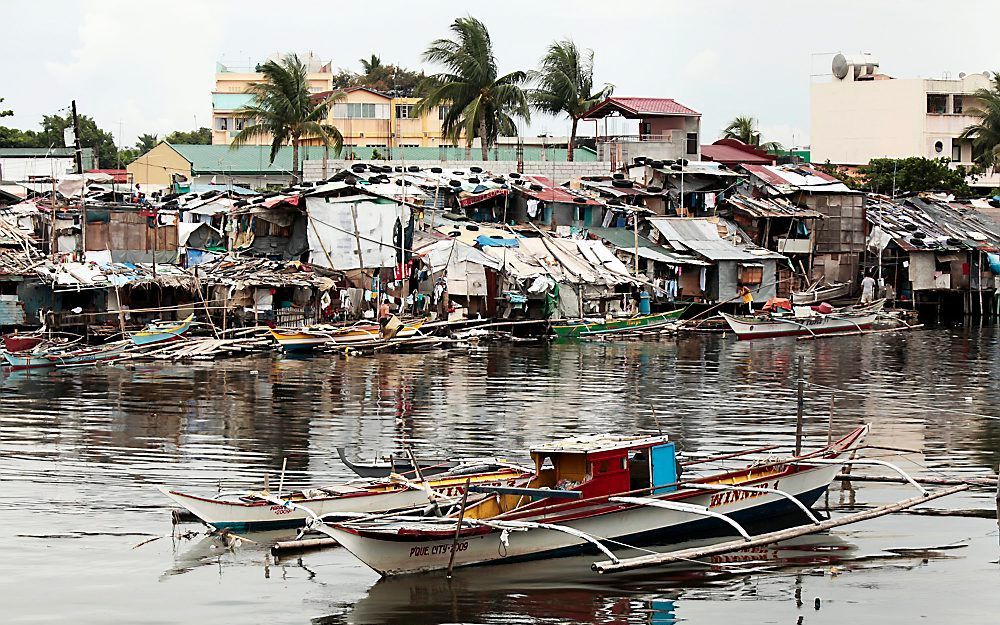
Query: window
[[222, 123], [956, 151], [956, 104], [239, 123], [404, 111], [409, 145], [692, 143], [938, 147], [360, 110], [937, 104], [442, 112], [751, 273]]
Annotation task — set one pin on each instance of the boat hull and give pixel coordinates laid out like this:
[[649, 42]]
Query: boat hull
[[27, 360], [618, 325], [261, 515], [802, 298], [304, 341], [163, 333], [399, 554], [749, 328], [14, 343]]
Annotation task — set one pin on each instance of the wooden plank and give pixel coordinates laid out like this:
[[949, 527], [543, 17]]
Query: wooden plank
[[659, 559], [534, 493]]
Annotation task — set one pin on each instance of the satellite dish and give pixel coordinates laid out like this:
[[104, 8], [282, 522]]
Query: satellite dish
[[840, 66]]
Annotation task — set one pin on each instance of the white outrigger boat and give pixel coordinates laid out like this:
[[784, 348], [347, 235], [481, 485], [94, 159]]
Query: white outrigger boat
[[263, 510], [592, 493], [812, 323]]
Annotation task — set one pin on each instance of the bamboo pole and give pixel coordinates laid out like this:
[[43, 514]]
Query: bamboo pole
[[461, 517], [800, 404], [858, 332], [284, 546], [762, 540]]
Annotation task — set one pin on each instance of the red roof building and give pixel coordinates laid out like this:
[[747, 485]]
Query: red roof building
[[733, 152], [666, 129], [118, 176]]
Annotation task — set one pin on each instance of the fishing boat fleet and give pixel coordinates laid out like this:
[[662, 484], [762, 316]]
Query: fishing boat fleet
[[586, 494], [41, 350]]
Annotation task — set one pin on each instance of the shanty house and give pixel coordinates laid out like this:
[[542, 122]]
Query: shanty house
[[839, 239], [735, 262]]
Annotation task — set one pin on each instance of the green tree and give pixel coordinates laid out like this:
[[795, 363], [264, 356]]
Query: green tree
[[371, 65], [985, 133], [744, 128], [565, 82], [91, 136], [202, 136], [284, 111], [913, 175], [146, 143], [480, 102], [5, 112]]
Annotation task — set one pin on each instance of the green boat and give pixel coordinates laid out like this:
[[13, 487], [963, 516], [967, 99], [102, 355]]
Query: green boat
[[628, 324]]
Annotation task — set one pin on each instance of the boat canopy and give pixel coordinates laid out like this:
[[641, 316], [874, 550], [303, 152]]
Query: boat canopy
[[604, 464]]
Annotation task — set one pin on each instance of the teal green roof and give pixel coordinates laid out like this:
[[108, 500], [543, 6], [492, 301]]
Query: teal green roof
[[249, 159], [252, 159], [230, 101]]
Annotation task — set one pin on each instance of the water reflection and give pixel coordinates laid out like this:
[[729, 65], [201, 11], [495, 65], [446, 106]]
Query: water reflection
[[81, 449]]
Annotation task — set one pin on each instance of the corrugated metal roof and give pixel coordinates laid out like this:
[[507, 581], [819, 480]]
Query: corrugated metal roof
[[729, 154], [553, 193], [790, 178], [702, 237], [624, 239], [220, 159], [771, 207]]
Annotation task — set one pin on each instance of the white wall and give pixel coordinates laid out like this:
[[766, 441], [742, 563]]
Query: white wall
[[20, 169], [854, 122]]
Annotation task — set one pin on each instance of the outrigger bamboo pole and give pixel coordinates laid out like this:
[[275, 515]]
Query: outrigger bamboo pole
[[762, 540], [458, 527]]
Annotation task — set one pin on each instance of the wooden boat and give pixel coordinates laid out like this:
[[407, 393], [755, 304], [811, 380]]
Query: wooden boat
[[820, 292], [254, 510], [14, 343], [305, 339], [402, 466], [300, 340], [771, 326], [603, 492], [160, 331], [627, 324]]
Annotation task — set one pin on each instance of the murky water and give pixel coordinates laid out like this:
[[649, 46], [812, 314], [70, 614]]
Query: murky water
[[81, 452]]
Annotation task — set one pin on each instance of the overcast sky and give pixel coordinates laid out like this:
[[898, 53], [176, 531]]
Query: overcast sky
[[142, 67]]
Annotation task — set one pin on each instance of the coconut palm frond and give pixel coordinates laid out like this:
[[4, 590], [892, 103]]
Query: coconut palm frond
[[480, 102]]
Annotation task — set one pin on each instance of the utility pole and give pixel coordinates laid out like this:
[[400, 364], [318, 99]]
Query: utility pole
[[76, 141], [79, 170]]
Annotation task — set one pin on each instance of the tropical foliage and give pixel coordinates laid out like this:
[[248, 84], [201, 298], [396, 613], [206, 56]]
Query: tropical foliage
[[202, 136], [480, 102], [985, 134], [744, 128], [910, 175], [565, 84], [393, 80], [283, 111], [51, 135], [5, 112]]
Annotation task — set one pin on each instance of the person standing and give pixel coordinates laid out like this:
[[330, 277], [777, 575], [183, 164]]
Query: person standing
[[747, 298], [868, 290]]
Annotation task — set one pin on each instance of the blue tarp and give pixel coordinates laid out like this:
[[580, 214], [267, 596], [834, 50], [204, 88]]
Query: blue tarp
[[994, 262], [487, 241]]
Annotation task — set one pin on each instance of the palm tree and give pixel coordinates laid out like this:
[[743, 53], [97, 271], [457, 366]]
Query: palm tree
[[284, 111], [985, 134], [565, 85], [146, 143], [480, 102], [744, 128], [370, 65]]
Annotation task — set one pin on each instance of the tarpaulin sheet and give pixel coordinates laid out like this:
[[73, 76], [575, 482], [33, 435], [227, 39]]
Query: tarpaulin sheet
[[334, 243]]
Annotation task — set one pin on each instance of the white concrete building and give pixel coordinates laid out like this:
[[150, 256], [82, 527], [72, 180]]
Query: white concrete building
[[861, 114]]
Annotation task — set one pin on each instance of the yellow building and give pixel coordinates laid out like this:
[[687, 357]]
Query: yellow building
[[157, 166], [230, 94], [368, 119]]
